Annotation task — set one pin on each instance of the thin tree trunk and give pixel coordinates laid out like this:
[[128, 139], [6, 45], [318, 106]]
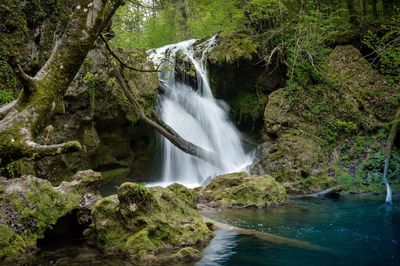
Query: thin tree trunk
[[350, 7], [389, 145], [364, 7], [374, 8]]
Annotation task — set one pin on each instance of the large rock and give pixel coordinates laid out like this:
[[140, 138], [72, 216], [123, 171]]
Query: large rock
[[29, 206], [147, 224], [239, 190]]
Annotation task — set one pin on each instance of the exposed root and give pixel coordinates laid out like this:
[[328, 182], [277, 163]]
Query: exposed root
[[5, 109], [39, 150]]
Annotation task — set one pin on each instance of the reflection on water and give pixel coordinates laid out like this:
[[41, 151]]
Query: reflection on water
[[359, 230], [220, 249]]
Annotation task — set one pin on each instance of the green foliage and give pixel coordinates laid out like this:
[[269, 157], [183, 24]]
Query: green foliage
[[91, 80], [346, 127], [263, 14], [175, 21], [386, 50], [249, 106], [6, 96]]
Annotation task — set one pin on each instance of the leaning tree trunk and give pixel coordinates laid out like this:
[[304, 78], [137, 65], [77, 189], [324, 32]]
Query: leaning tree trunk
[[24, 119], [388, 152]]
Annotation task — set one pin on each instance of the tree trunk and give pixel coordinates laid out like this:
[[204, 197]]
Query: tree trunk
[[43, 93], [350, 7], [275, 239], [374, 8], [390, 142], [364, 7]]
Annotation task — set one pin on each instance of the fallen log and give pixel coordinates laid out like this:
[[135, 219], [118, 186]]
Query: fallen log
[[271, 238]]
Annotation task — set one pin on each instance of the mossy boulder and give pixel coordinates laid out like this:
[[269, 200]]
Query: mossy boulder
[[146, 222], [240, 190], [185, 194], [29, 206]]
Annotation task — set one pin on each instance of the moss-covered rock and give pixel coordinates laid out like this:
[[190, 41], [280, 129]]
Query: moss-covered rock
[[143, 222], [185, 194], [29, 206], [238, 190]]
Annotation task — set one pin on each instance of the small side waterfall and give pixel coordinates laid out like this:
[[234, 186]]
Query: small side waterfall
[[386, 182], [198, 117]]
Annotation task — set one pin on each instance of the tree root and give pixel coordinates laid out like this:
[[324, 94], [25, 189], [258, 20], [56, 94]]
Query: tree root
[[5, 109], [39, 150]]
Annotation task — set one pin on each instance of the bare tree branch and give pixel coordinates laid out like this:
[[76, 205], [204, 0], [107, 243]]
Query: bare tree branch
[[120, 60]]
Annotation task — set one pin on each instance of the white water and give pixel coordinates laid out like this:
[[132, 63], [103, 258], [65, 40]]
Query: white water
[[388, 199], [198, 117]]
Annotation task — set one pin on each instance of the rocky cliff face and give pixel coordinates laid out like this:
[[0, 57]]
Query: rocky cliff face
[[238, 76]]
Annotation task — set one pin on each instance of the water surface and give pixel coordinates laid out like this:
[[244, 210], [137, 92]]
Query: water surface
[[359, 230]]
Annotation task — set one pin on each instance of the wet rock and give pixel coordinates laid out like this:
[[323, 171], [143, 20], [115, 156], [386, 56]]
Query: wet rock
[[240, 190]]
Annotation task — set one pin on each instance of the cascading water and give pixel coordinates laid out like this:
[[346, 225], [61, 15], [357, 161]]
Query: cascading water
[[198, 117], [388, 199]]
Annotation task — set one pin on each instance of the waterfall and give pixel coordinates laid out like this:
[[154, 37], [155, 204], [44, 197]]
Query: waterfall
[[386, 182], [197, 116]]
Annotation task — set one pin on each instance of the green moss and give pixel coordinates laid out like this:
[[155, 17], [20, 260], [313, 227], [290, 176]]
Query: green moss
[[241, 190], [185, 194], [249, 106], [233, 48], [11, 244], [140, 242], [36, 206], [143, 220], [188, 254], [338, 119], [115, 174]]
